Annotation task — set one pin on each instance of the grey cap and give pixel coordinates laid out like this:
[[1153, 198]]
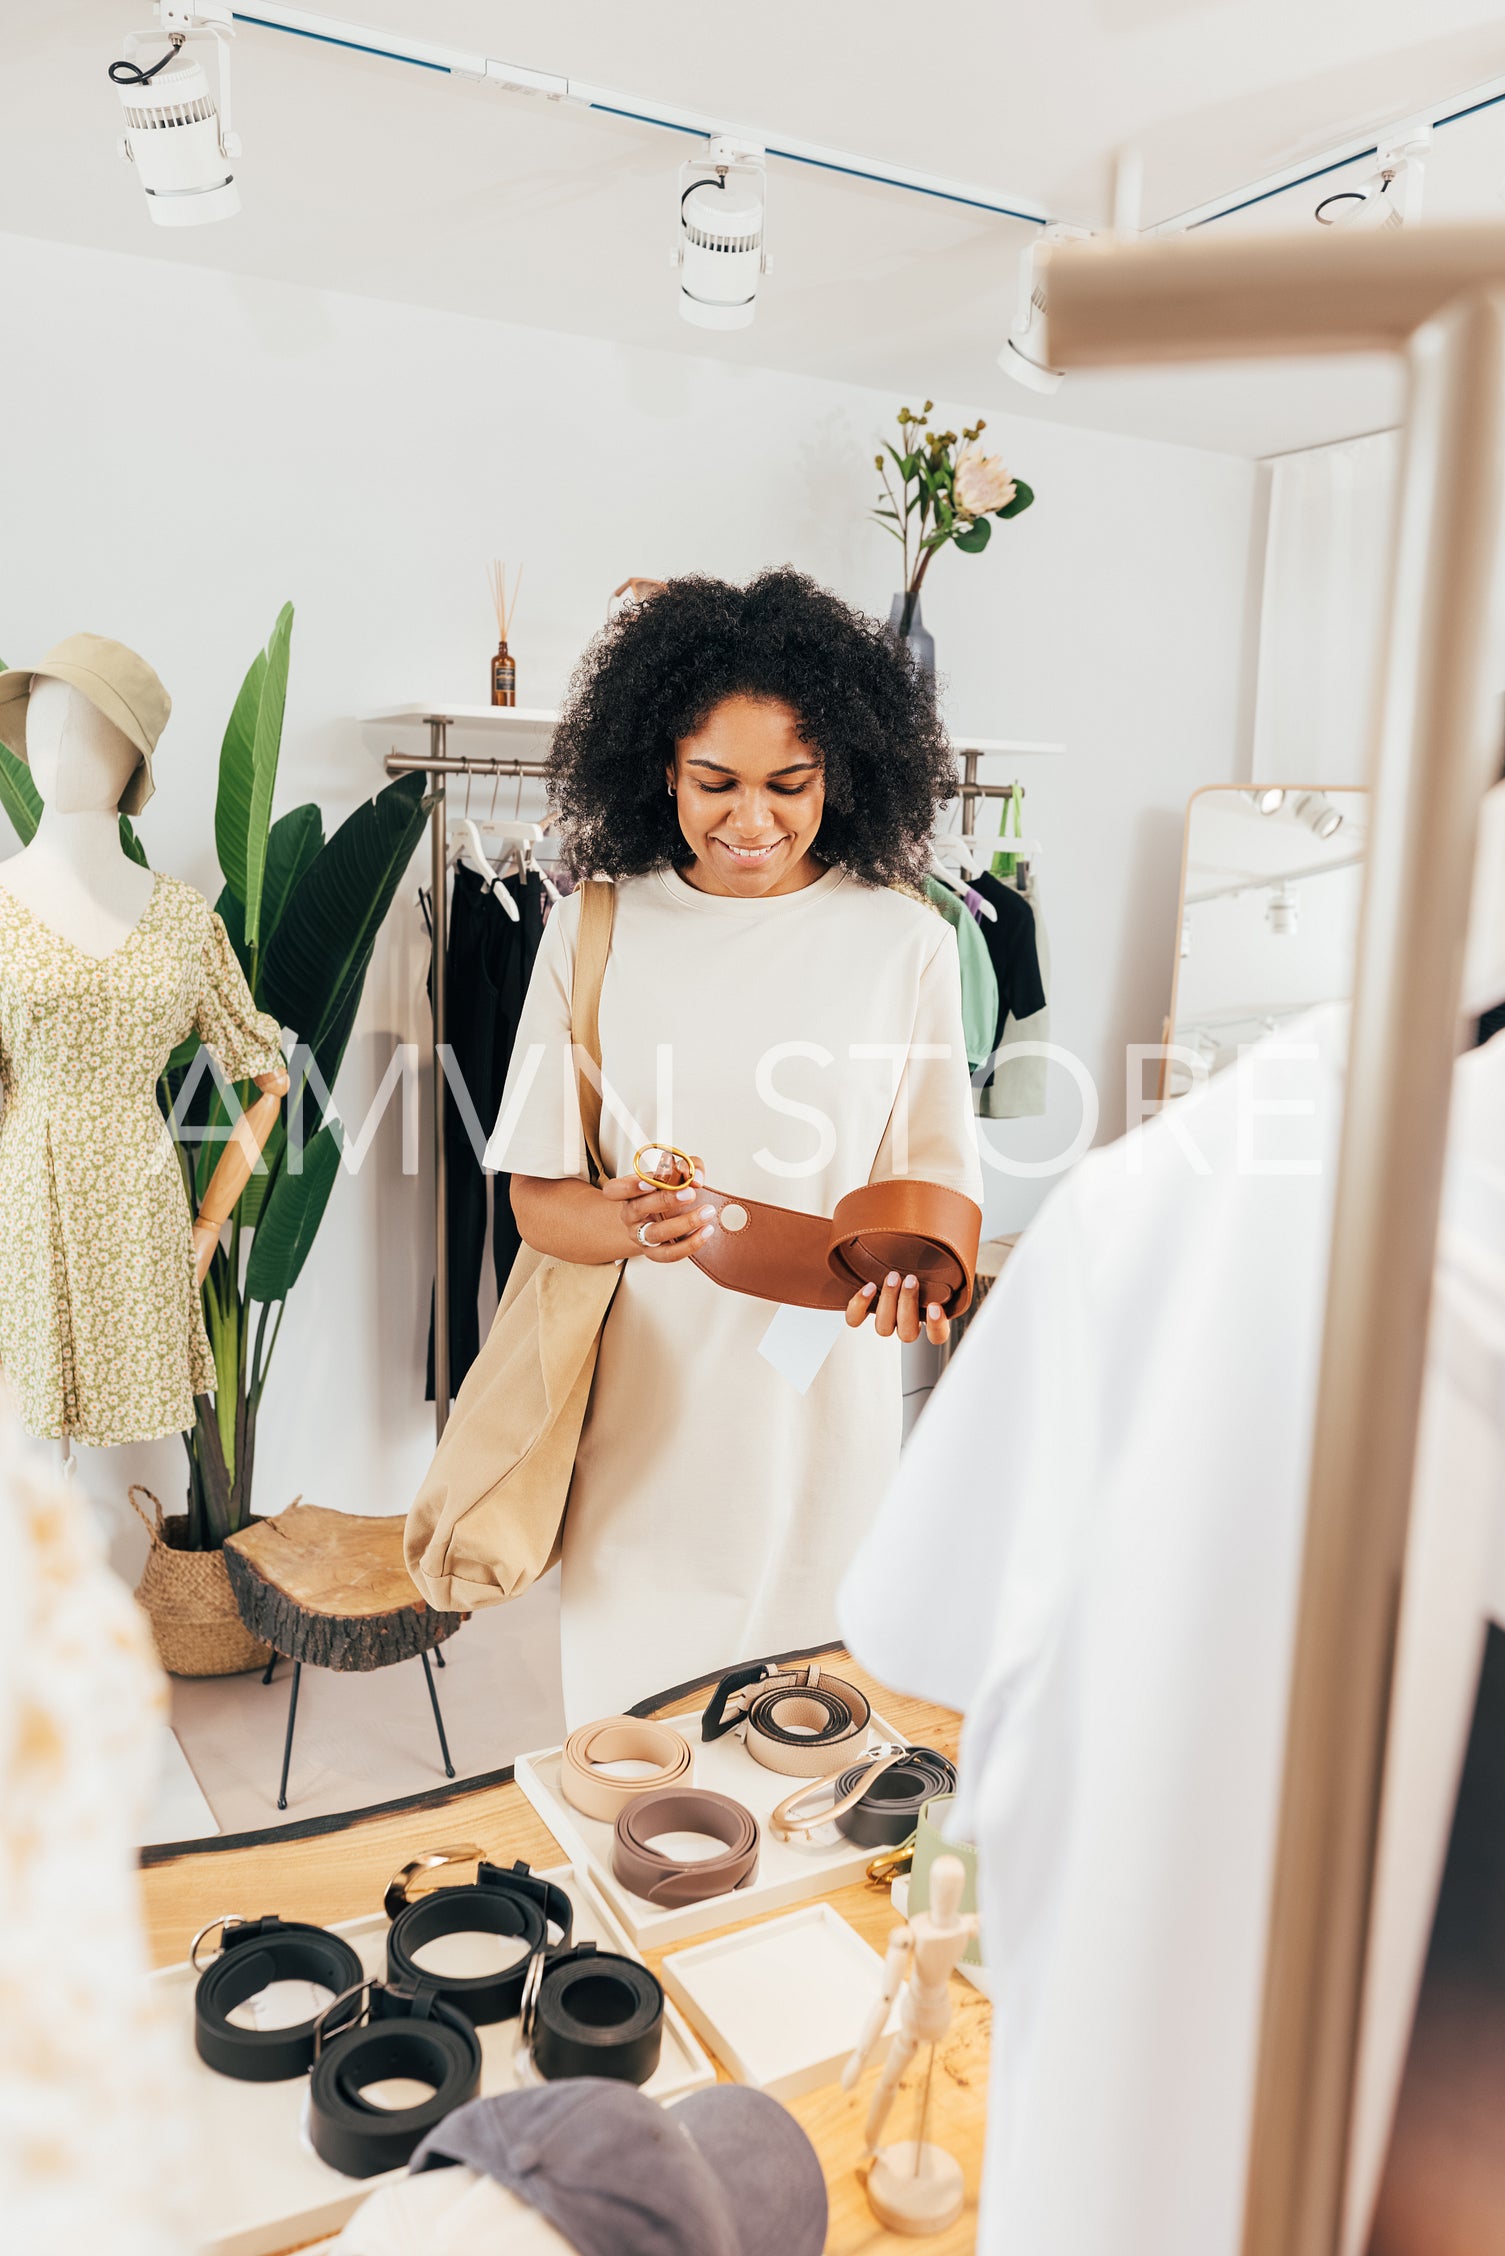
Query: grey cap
[[726, 2172]]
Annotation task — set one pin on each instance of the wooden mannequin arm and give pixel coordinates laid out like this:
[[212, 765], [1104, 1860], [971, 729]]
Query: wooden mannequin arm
[[243, 1148]]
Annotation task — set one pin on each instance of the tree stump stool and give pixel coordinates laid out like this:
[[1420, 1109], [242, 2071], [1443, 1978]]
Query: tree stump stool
[[332, 1589]]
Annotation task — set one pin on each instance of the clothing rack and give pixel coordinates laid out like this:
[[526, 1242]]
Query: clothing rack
[[439, 764]]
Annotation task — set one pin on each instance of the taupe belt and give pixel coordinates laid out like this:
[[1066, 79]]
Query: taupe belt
[[662, 1879], [621, 1739], [924, 1230], [793, 1720]]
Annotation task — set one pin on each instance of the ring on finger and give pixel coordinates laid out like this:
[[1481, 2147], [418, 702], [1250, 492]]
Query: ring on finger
[[642, 1233]]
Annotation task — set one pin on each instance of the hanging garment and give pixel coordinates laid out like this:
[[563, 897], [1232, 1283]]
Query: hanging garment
[[1016, 1089], [714, 1507], [97, 2149], [979, 985], [101, 1322], [1118, 1624], [490, 961]]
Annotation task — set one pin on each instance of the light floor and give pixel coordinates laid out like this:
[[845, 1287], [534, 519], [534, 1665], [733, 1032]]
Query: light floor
[[366, 1739]]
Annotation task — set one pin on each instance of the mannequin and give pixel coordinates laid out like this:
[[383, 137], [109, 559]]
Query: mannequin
[[75, 875]]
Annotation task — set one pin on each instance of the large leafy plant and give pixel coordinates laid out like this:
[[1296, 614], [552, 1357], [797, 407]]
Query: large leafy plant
[[303, 911]]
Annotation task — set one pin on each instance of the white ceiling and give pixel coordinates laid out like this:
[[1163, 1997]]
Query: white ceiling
[[369, 176]]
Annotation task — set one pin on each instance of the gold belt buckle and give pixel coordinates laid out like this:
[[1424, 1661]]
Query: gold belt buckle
[[662, 1153]]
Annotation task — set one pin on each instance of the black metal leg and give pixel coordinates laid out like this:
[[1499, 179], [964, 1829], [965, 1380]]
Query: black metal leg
[[287, 1745], [439, 1660], [266, 1674], [428, 1678]]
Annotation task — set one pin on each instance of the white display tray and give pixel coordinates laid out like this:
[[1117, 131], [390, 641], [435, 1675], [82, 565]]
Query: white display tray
[[789, 1872], [263, 2189], [784, 2004]]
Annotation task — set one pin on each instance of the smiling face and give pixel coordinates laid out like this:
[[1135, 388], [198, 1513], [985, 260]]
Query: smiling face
[[750, 794]]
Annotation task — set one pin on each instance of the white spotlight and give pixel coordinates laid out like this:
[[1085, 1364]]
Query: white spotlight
[[176, 135], [1391, 195], [1268, 798], [1317, 811], [1283, 912], [720, 254], [1026, 349]]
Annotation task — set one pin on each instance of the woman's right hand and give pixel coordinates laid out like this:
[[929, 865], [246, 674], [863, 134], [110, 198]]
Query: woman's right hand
[[665, 1225]]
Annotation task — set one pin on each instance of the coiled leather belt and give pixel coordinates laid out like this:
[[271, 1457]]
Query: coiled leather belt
[[793, 1720], [925, 1230], [252, 1953], [386, 2032], [621, 1739], [876, 1803], [661, 1879], [511, 1903], [592, 2013]]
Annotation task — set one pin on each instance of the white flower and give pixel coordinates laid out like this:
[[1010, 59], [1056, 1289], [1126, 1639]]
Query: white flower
[[982, 484]]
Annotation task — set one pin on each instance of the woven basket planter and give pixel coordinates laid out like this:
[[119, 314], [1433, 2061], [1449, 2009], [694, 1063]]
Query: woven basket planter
[[187, 1598]]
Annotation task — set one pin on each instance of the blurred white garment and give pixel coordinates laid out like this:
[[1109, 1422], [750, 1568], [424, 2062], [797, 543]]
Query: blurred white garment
[[95, 2147], [451, 2212], [1116, 1617]]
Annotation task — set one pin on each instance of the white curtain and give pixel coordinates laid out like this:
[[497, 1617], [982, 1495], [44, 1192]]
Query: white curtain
[[1327, 558]]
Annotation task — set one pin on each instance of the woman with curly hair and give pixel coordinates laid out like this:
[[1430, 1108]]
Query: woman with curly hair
[[759, 770]]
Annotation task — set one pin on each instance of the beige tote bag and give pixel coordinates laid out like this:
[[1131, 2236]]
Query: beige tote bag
[[489, 1518]]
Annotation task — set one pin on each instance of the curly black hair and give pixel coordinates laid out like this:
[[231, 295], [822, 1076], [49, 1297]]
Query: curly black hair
[[655, 674]]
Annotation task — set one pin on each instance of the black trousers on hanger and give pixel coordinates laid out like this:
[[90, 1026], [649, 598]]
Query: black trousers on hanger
[[485, 979]]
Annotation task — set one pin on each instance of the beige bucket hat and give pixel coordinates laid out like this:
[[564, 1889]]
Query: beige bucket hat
[[122, 687]]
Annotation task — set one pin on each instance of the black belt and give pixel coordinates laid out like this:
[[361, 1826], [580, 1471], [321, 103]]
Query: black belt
[[252, 1953], [498, 1903], [890, 1809], [385, 2033], [591, 2013]]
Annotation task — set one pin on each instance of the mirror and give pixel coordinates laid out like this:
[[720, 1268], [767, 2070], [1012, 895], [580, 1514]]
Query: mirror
[[1271, 879]]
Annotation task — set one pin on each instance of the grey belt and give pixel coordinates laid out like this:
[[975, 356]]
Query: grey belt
[[684, 1809]]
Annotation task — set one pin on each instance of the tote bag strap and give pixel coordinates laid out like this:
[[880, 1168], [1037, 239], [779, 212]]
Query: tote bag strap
[[598, 904]]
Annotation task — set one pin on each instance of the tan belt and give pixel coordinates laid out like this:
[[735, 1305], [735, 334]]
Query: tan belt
[[793, 1720], [621, 1739], [923, 1230]]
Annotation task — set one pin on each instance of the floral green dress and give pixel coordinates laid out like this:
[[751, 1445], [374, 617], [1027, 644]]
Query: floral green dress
[[101, 1325]]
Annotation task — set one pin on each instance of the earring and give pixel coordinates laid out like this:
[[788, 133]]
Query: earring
[[671, 791]]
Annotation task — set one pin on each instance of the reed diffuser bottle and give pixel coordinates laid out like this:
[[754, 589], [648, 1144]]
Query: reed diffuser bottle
[[503, 665]]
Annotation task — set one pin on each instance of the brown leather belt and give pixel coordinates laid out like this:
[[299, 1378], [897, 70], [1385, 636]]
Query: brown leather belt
[[923, 1230], [660, 1879], [593, 1791], [794, 1720]]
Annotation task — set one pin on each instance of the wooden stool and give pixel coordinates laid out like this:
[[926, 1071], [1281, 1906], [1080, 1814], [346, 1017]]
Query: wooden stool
[[331, 1588]]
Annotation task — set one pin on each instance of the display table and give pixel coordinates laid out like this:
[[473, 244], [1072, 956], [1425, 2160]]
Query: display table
[[340, 1874]]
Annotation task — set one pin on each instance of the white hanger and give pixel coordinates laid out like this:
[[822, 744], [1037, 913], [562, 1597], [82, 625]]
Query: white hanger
[[469, 842], [948, 876]]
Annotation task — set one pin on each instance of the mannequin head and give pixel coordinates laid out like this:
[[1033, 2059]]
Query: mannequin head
[[80, 762]]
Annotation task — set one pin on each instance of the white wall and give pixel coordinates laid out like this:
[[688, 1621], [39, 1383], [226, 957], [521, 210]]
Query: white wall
[[187, 449]]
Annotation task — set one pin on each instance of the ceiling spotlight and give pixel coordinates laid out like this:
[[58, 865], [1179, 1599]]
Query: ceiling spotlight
[[1026, 349], [1390, 196], [720, 254], [1317, 811], [1283, 911], [1267, 798], [176, 135]]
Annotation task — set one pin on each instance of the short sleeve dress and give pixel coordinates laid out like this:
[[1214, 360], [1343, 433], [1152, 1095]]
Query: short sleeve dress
[[102, 1333], [804, 1045]]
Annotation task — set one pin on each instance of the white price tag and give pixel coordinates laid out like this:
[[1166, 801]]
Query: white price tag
[[798, 1341]]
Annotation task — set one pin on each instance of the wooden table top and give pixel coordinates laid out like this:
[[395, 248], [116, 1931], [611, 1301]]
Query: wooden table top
[[341, 1875]]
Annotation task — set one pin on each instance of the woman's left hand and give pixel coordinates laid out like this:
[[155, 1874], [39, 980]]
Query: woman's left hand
[[895, 1305]]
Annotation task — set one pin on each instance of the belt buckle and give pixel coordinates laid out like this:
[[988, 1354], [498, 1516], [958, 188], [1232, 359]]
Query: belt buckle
[[361, 1990], [726, 1707], [532, 1984], [396, 1894], [225, 1921]]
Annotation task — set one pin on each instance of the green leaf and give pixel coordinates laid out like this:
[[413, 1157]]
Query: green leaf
[[315, 963], [291, 1217], [19, 796], [292, 843], [248, 773], [1023, 496], [130, 844], [976, 536]]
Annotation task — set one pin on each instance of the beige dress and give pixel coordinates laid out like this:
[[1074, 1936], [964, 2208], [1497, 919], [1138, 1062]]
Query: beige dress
[[101, 1324], [714, 1507]]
